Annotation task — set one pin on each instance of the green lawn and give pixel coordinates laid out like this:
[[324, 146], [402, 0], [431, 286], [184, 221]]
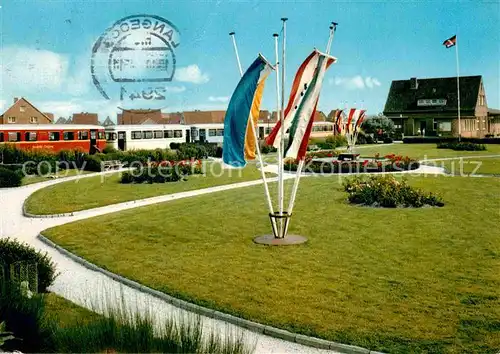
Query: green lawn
[[99, 191], [30, 179], [422, 151], [475, 166], [394, 280]]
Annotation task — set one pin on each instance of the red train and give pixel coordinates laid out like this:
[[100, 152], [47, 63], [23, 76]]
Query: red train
[[54, 137]]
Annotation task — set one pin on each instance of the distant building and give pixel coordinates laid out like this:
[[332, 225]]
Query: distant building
[[61, 120], [139, 116], [428, 107], [203, 117], [23, 112], [108, 122], [85, 118]]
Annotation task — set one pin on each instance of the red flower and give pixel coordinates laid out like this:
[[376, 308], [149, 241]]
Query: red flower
[[365, 163]]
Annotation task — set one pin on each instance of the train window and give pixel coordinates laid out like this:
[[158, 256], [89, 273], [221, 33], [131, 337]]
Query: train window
[[68, 135], [147, 134], [136, 135], [14, 136], [212, 132], [54, 136], [93, 135], [1, 137], [177, 133], [168, 134], [220, 132], [100, 135], [158, 134], [83, 135], [110, 136], [30, 136]]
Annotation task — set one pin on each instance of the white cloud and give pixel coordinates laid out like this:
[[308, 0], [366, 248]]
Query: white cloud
[[191, 73], [66, 108], [218, 98], [355, 83], [175, 89], [3, 105], [36, 69]]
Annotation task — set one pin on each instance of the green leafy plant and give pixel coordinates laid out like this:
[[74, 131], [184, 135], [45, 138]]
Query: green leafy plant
[[461, 146], [4, 334], [10, 178]]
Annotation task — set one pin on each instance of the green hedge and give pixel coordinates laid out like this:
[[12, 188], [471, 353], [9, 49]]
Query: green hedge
[[12, 251], [10, 178], [461, 146], [162, 172]]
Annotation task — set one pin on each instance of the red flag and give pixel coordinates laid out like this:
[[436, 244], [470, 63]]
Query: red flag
[[450, 42]]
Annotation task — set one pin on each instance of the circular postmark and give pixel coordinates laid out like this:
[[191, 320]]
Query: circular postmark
[[134, 60]]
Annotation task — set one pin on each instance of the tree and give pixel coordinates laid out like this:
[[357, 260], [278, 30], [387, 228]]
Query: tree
[[379, 125]]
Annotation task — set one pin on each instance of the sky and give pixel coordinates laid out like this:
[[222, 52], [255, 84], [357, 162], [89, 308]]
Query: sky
[[46, 49]]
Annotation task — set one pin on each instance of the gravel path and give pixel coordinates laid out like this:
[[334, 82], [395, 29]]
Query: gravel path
[[87, 288]]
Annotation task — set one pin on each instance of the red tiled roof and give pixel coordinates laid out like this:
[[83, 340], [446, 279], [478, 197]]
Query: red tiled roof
[[85, 118]]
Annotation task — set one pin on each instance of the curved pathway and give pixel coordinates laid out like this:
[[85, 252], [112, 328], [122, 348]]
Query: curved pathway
[[88, 288]]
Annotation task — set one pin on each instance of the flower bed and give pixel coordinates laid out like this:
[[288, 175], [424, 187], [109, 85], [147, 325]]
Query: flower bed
[[322, 154], [391, 163], [162, 172], [386, 191]]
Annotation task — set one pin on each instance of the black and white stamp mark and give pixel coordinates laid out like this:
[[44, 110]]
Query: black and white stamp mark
[[135, 58]]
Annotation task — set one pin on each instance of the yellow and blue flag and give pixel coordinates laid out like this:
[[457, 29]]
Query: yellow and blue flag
[[243, 110]]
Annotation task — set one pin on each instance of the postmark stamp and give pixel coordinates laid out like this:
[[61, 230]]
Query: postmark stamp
[[135, 59]]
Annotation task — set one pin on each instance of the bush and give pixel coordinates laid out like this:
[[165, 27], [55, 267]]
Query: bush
[[12, 251], [266, 149], [92, 163], [10, 178], [109, 150], [386, 191], [162, 172], [388, 140], [461, 146]]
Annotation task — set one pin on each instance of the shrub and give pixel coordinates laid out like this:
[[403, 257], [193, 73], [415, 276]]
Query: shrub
[[12, 251], [92, 163], [162, 172], [461, 146], [322, 154], [388, 140], [386, 191], [10, 178], [109, 150], [266, 149]]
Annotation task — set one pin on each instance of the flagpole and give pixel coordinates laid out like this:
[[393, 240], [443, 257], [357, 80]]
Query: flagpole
[[281, 194], [302, 161], [458, 91], [278, 113], [257, 148]]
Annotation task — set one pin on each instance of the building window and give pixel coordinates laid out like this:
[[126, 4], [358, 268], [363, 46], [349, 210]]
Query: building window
[[212, 132], [445, 126], [11, 120], [30, 136], [434, 124], [14, 136], [136, 135], [22, 109], [177, 133], [158, 134], [83, 135], [54, 136], [168, 134], [147, 134], [33, 120], [68, 135], [220, 132], [481, 100]]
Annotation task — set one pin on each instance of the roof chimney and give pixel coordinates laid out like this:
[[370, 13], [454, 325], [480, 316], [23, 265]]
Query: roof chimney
[[414, 83], [16, 99]]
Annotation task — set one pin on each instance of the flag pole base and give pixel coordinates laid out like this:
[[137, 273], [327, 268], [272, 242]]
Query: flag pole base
[[270, 240], [276, 239]]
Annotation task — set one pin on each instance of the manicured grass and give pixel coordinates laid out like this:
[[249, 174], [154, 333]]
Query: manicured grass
[[393, 280], [30, 179], [422, 151], [475, 166], [99, 191]]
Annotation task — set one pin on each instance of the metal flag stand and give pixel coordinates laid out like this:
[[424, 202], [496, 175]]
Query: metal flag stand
[[281, 218]]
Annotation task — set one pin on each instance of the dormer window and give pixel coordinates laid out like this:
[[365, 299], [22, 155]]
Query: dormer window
[[22, 109]]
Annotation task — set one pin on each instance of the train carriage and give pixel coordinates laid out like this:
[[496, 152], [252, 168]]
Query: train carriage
[[54, 137], [142, 136]]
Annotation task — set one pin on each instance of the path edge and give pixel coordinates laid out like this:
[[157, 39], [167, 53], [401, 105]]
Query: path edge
[[200, 310]]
